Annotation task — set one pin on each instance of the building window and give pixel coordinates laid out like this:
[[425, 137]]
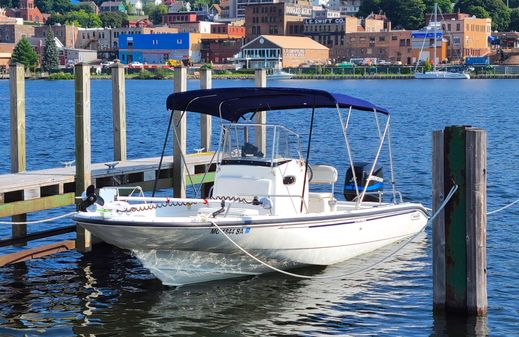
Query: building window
[[394, 38], [458, 27], [179, 41]]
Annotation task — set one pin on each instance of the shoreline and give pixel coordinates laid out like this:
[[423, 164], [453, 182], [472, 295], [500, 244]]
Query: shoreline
[[65, 76]]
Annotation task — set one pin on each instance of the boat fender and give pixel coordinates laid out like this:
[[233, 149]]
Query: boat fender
[[266, 203]]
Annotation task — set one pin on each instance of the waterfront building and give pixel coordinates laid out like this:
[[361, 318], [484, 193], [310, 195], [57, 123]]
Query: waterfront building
[[274, 51], [219, 50], [275, 19], [466, 35], [154, 48], [389, 47], [231, 30], [187, 22], [67, 34], [238, 8], [6, 51]]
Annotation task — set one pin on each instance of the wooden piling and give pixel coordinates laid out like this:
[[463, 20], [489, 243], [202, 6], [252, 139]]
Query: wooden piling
[[119, 111], [205, 120], [83, 147], [477, 303], [17, 126], [179, 138], [459, 234], [261, 116]]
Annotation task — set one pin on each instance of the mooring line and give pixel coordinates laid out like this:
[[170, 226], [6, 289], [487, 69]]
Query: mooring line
[[376, 263], [503, 208], [494, 211], [36, 221]]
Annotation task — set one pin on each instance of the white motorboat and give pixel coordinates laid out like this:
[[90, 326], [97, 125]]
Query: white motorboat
[[279, 74], [263, 211]]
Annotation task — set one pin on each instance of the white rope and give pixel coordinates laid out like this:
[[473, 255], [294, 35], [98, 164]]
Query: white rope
[[36, 221], [503, 208], [449, 196]]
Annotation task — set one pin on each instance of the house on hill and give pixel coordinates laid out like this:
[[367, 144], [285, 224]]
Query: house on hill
[[28, 12], [112, 6]]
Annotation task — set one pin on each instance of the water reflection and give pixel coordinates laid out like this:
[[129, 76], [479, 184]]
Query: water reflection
[[459, 325], [131, 301]]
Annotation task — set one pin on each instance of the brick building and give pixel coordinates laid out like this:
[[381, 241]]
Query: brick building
[[273, 51], [13, 33], [66, 34], [223, 28], [275, 19], [466, 35], [28, 11]]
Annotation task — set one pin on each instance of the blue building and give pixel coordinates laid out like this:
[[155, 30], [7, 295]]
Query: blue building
[[154, 48]]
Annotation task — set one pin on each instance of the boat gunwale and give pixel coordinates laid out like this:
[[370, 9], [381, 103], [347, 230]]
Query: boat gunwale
[[312, 221]]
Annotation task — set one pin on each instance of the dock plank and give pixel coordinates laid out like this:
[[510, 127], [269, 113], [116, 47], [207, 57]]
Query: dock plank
[[55, 176]]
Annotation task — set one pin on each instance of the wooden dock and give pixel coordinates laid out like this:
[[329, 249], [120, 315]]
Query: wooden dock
[[32, 191], [23, 192]]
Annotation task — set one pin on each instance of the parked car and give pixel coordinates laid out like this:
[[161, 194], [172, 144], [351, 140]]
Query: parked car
[[106, 64], [135, 65]]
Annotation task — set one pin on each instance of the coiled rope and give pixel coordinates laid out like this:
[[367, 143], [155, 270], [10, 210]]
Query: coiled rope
[[376, 263], [149, 207], [36, 221]]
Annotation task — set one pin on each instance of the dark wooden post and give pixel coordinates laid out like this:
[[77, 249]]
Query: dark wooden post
[[83, 150], [459, 232], [119, 111], [17, 126], [179, 138]]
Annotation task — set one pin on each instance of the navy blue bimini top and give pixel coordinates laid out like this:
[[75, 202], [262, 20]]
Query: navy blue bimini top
[[233, 103]]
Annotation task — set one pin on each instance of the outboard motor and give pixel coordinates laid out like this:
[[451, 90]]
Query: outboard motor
[[376, 184]]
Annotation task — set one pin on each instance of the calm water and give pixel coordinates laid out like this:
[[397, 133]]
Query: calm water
[[107, 292]]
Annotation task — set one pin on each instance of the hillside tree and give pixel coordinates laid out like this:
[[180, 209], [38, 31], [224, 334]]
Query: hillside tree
[[497, 9], [514, 19], [50, 61]]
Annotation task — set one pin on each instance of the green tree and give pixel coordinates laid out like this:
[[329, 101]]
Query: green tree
[[24, 53], [54, 6], [370, 6], [513, 3], [444, 6], [148, 8], [406, 13], [50, 60], [77, 18], [9, 3], [156, 14], [84, 6], [478, 12], [497, 9], [113, 19], [514, 20]]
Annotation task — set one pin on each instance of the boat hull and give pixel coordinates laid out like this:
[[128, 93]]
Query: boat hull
[[182, 253], [442, 75]]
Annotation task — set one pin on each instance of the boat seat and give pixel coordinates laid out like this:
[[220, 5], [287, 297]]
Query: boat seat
[[319, 202], [323, 174]]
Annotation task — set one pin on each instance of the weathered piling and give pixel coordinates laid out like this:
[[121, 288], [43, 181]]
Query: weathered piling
[[17, 126], [179, 138], [119, 111], [83, 148], [205, 120], [261, 116], [459, 232]]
